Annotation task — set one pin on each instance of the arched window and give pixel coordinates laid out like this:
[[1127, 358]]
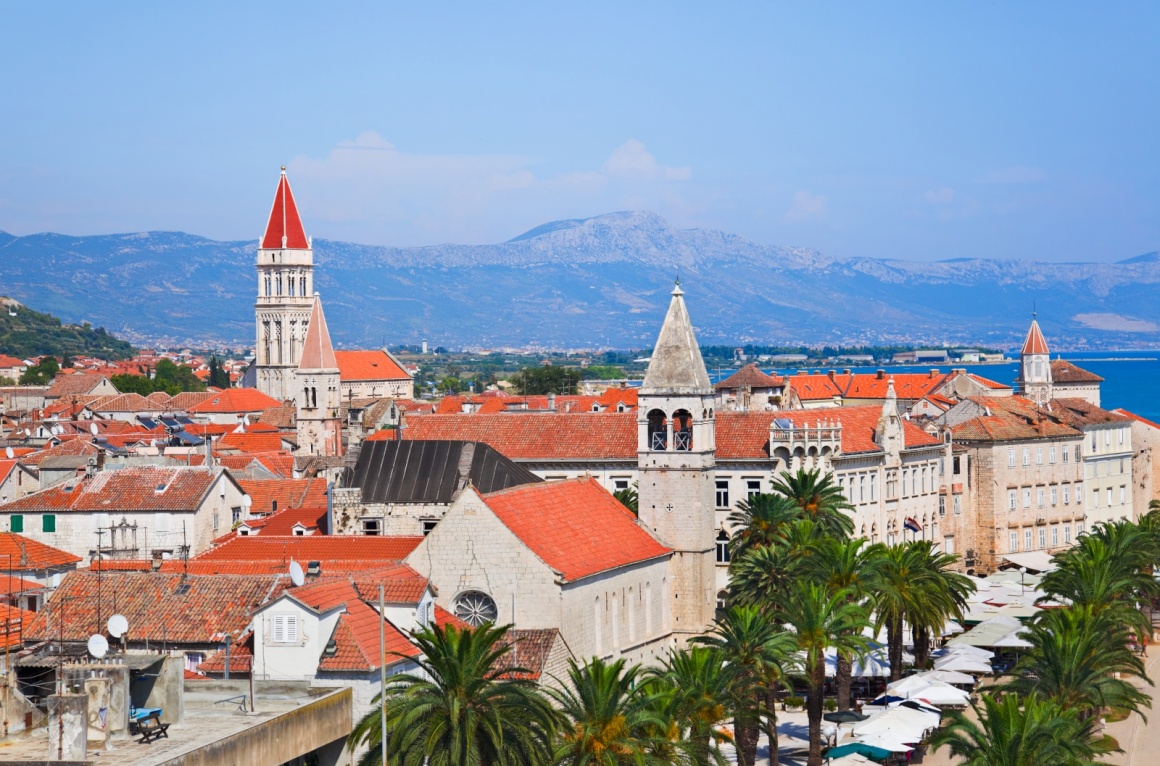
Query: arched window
[[597, 620], [302, 282], [682, 430], [268, 285], [722, 547], [648, 610], [475, 608], [657, 436]]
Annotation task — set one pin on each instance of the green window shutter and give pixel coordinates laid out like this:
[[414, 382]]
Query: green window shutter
[[48, 522], [17, 524]]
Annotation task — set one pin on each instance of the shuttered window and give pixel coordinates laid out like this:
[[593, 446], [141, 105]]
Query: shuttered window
[[17, 523], [48, 522], [285, 629]]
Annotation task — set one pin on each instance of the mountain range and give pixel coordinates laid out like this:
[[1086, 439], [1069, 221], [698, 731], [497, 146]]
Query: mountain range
[[596, 282]]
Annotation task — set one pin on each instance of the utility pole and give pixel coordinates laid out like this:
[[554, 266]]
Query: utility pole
[[382, 676]]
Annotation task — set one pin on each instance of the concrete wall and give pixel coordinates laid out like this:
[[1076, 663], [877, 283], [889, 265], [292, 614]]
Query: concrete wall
[[298, 660], [1145, 465], [67, 714], [284, 737], [1107, 459]]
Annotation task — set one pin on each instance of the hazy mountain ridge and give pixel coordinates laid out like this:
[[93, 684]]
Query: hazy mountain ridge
[[600, 281]]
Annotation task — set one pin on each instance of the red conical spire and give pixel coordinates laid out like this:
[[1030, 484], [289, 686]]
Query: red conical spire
[[1035, 343], [317, 352], [285, 227]]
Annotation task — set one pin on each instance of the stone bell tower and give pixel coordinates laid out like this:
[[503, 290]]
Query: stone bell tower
[[1035, 366], [676, 449], [319, 391], [285, 286]]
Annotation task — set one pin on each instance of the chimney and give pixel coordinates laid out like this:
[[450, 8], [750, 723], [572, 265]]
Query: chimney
[[846, 371], [934, 372], [880, 374], [156, 563], [831, 373], [552, 401], [314, 569]]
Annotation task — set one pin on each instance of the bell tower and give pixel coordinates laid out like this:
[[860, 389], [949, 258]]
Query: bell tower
[[676, 449], [1035, 366], [285, 283], [319, 391]]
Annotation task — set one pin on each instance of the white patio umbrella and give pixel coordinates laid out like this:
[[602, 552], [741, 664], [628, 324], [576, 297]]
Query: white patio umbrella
[[1012, 640], [902, 722], [963, 664], [939, 693], [906, 687], [949, 676], [886, 741], [951, 628], [875, 665], [967, 649]]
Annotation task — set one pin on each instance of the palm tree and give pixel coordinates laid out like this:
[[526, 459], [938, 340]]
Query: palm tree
[[469, 708], [822, 618], [948, 592], [1038, 734], [912, 583], [848, 565], [697, 682], [761, 520], [762, 575], [612, 719], [1107, 569], [762, 656], [819, 498], [1078, 657]]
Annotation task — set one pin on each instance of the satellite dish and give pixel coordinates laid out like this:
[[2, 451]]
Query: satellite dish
[[245, 420], [247, 501], [296, 575], [93, 429], [98, 645], [118, 625], [8, 453]]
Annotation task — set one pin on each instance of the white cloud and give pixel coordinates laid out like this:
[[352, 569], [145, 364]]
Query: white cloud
[[368, 190], [807, 207], [631, 160]]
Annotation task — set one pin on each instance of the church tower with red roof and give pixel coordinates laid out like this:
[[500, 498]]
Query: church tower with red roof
[[285, 289], [676, 463], [1034, 380]]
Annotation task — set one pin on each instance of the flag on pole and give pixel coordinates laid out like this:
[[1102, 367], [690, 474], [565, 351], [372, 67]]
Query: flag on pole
[[912, 525]]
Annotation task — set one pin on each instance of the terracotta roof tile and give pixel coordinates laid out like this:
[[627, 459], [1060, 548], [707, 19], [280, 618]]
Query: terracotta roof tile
[[264, 441], [284, 224], [186, 399], [235, 400], [13, 624], [751, 377], [1137, 418], [815, 387], [520, 435], [1081, 412], [157, 604], [383, 549], [74, 383], [147, 488], [1035, 343], [1011, 418], [1063, 371], [368, 365], [575, 527], [529, 650], [270, 495], [26, 554]]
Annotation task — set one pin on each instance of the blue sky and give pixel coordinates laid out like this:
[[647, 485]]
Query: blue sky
[[910, 130]]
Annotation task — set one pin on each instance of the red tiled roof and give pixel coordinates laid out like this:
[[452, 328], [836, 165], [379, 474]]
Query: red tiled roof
[[576, 527], [368, 365], [269, 495], [313, 548], [906, 385], [992, 384], [443, 618], [26, 554], [751, 377], [1063, 371], [72, 383], [529, 649], [156, 604], [125, 489], [284, 223], [10, 361], [264, 441], [186, 399], [614, 396], [1011, 418], [126, 403], [14, 623], [1081, 412], [815, 387], [241, 658], [11, 585], [613, 435], [234, 400], [71, 447], [1035, 343], [1137, 418]]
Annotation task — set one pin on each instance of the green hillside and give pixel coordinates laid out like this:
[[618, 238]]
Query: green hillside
[[31, 333]]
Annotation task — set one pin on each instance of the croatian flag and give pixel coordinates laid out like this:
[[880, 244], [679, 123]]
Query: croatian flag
[[912, 525]]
